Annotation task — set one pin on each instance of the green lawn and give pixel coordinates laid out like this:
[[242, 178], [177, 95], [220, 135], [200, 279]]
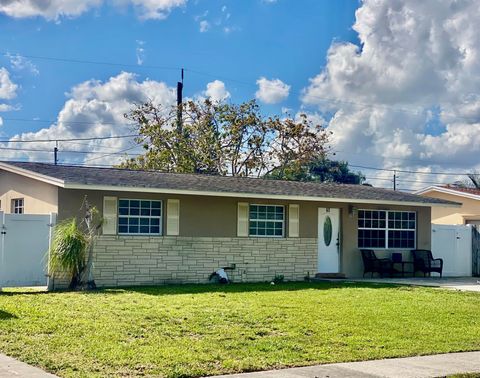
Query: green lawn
[[183, 331]]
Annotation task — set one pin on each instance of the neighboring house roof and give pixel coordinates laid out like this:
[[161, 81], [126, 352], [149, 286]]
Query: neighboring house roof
[[115, 179], [453, 190]]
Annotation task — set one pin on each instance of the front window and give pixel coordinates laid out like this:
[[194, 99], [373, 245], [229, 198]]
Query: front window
[[266, 220], [17, 206], [386, 229], [140, 217]]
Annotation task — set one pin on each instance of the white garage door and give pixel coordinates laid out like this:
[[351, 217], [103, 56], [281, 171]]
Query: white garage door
[[25, 240]]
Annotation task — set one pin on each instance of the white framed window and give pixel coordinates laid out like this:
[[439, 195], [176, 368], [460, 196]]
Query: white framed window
[[266, 220], [139, 217], [18, 206], [384, 229]]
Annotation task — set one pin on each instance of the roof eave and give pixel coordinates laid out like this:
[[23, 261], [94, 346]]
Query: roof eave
[[32, 175], [447, 191], [252, 195]]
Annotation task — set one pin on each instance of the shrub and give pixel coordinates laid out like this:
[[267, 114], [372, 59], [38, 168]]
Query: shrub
[[68, 251], [279, 278]]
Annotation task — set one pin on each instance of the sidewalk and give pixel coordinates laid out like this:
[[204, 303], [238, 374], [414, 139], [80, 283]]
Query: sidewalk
[[439, 365], [10, 367]]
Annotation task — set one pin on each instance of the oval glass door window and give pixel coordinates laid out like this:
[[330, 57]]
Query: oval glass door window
[[327, 231]]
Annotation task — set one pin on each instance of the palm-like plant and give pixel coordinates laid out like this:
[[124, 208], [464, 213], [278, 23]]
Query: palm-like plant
[[68, 250]]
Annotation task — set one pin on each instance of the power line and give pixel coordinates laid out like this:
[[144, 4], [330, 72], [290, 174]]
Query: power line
[[328, 99], [59, 151], [225, 78], [65, 122], [407, 171], [90, 145], [81, 61], [112, 153], [396, 158], [68, 139]]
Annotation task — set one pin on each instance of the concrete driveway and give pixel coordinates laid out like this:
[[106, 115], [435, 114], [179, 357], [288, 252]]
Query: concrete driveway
[[453, 283]]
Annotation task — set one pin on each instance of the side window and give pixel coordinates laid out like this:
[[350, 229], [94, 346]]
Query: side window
[[18, 206]]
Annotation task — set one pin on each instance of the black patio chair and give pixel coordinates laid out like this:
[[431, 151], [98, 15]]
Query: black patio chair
[[372, 264], [423, 261]]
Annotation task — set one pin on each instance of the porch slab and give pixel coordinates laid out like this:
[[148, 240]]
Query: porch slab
[[453, 283]]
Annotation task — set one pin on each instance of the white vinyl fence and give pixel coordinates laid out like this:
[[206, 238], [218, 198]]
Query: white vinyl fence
[[25, 240], [453, 243]]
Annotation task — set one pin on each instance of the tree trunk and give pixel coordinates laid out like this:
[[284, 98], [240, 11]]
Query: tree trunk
[[87, 279]]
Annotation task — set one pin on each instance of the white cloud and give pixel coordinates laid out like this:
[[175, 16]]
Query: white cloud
[[56, 9], [95, 108], [382, 92], [48, 9], [204, 26], [20, 63], [140, 52], [272, 91], [216, 91], [220, 22], [8, 89], [155, 9]]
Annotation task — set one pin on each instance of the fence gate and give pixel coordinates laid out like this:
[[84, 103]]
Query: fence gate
[[476, 251], [453, 243], [25, 240]]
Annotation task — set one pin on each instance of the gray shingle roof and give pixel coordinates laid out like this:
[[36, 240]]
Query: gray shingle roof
[[75, 175]]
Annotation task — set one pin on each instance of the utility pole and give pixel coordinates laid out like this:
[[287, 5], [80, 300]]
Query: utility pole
[[394, 180], [179, 104], [55, 153]]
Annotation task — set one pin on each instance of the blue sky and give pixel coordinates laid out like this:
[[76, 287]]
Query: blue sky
[[275, 40], [396, 81]]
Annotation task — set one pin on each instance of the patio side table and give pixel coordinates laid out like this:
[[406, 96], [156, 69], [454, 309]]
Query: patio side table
[[403, 264]]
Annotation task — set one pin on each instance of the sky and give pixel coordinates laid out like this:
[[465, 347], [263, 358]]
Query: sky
[[396, 81]]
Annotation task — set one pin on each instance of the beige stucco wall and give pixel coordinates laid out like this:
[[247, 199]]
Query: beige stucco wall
[[39, 197], [216, 218], [470, 209]]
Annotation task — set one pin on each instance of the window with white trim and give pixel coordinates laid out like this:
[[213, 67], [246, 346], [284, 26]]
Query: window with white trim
[[18, 206], [387, 229], [139, 217], [266, 220]]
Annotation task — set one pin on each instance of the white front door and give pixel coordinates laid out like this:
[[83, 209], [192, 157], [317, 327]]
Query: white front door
[[328, 240]]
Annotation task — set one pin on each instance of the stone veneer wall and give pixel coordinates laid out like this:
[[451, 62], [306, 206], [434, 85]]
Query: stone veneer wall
[[143, 260]]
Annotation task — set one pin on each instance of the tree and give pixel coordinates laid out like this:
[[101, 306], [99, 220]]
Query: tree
[[475, 180], [472, 182], [323, 170], [224, 139], [92, 222]]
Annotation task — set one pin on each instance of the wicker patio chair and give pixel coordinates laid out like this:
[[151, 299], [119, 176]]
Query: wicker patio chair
[[372, 264], [423, 261]]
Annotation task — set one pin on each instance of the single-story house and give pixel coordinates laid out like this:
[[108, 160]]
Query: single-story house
[[468, 213], [167, 227]]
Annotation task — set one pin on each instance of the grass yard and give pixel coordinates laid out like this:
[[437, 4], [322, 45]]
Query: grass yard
[[188, 331]]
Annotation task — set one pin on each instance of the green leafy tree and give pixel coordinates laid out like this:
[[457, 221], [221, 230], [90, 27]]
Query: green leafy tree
[[322, 170], [224, 139]]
